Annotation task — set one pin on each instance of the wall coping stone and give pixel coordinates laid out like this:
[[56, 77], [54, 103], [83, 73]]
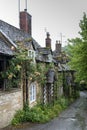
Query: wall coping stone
[[2, 92]]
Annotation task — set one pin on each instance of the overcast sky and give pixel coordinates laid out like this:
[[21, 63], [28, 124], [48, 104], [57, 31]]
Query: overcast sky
[[57, 16]]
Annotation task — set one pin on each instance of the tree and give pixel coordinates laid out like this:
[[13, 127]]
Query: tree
[[78, 51]]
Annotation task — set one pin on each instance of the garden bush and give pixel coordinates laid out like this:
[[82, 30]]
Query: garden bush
[[40, 113]]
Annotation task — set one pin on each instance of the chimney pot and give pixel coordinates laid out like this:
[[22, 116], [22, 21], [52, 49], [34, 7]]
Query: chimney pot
[[48, 35], [58, 47], [59, 42], [48, 41], [25, 10], [56, 42]]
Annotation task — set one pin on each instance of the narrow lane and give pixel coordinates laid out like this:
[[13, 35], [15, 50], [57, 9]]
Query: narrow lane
[[74, 118]]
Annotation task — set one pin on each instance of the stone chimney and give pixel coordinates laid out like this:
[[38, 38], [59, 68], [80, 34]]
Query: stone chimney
[[26, 21], [58, 47], [48, 40]]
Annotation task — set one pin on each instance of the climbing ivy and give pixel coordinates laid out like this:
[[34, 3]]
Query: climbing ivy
[[21, 66]]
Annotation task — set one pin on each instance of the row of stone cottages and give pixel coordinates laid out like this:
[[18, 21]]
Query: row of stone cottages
[[31, 92]]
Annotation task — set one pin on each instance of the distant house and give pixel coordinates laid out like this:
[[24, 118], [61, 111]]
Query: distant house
[[61, 61]]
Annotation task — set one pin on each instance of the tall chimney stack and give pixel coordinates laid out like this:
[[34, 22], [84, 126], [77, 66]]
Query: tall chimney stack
[[26, 21], [58, 47], [48, 41]]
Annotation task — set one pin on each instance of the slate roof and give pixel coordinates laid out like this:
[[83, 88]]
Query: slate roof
[[14, 34], [4, 48], [55, 53], [61, 59], [44, 50], [5, 37], [44, 54]]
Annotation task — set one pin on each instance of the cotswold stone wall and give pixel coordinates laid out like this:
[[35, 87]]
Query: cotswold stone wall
[[10, 102]]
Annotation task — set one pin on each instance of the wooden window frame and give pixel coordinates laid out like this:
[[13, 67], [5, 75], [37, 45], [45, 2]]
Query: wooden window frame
[[32, 92]]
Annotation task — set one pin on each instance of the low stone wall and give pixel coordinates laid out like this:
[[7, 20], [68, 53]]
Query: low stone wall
[[10, 102]]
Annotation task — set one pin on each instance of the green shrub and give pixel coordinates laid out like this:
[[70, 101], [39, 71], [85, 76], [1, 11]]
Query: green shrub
[[63, 102], [57, 109], [18, 118], [40, 113]]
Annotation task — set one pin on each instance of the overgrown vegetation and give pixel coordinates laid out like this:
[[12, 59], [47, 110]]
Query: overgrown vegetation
[[40, 113], [21, 66], [20, 62]]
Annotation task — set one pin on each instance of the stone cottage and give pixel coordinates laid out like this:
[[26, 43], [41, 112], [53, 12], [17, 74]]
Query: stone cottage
[[11, 101]]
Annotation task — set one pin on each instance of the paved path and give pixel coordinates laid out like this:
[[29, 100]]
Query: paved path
[[74, 118]]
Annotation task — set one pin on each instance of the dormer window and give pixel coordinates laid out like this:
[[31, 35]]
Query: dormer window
[[31, 54]]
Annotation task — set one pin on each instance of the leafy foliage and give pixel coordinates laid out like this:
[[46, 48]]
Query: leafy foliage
[[78, 51], [40, 113], [19, 65]]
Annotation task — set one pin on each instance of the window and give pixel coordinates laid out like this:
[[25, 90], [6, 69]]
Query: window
[[50, 57], [32, 92], [31, 54]]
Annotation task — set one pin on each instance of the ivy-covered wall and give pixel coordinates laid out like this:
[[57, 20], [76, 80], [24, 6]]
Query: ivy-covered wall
[[58, 85]]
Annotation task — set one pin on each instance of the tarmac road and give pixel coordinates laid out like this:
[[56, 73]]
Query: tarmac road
[[74, 118]]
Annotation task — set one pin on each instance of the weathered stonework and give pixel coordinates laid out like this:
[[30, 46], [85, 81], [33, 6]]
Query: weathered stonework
[[10, 102]]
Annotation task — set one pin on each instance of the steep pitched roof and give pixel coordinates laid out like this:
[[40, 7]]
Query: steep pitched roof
[[6, 44], [4, 48], [15, 34], [44, 54], [7, 38]]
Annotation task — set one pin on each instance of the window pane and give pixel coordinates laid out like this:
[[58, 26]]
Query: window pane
[[32, 92]]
